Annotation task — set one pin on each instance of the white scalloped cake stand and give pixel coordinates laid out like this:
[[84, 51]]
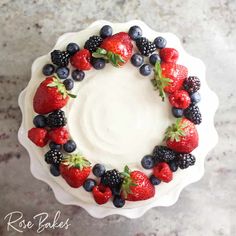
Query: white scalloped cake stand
[[166, 194]]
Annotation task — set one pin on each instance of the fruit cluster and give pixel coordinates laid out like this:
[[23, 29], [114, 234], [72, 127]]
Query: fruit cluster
[[169, 78]]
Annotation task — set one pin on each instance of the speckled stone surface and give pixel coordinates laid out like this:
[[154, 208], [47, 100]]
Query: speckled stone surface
[[207, 29]]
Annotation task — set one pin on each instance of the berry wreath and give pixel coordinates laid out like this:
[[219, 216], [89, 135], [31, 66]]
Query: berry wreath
[[170, 80]]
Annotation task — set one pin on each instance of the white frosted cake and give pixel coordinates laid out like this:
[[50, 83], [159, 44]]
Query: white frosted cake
[[96, 114]]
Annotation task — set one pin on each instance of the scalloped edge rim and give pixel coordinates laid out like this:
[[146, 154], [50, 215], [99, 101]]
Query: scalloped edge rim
[[94, 210]]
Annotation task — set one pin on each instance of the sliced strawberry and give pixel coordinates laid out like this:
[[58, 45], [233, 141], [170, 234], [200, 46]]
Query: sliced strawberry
[[75, 169], [101, 194], [38, 136], [169, 55], [117, 49], [136, 186], [81, 60], [163, 172], [182, 136], [59, 135]]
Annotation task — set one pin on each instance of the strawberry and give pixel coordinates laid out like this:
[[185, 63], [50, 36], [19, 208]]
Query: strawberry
[[59, 135], [163, 172], [75, 169], [180, 99], [182, 136], [169, 78], [169, 55], [51, 95], [117, 49], [136, 186], [38, 136], [101, 194], [81, 60]]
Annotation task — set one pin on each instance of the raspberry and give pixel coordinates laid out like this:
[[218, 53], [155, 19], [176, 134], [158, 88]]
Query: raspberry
[[53, 157], [60, 58], [112, 178], [59, 135], [81, 60], [169, 55], [185, 160], [163, 172], [101, 194], [193, 114], [145, 46], [192, 84], [180, 99], [38, 136], [93, 43], [162, 153], [56, 119]]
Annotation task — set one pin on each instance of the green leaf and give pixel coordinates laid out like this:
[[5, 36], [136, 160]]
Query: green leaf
[[72, 95]]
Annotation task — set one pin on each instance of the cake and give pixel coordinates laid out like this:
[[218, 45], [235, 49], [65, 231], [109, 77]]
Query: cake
[[114, 118]]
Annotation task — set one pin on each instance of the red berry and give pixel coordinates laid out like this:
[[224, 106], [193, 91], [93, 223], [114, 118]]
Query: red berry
[[101, 194], [38, 136], [169, 55], [59, 135], [81, 60], [180, 99], [163, 172]]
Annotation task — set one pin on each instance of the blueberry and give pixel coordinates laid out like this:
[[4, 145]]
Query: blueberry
[[99, 170], [195, 97], [137, 59], [135, 32], [89, 184], [40, 121], [98, 63], [118, 202], [145, 69], [160, 42], [154, 58], [173, 166], [177, 112], [106, 31], [147, 162], [69, 146], [154, 180], [78, 75], [69, 84], [72, 48], [116, 190], [48, 69], [54, 169], [62, 72], [54, 146]]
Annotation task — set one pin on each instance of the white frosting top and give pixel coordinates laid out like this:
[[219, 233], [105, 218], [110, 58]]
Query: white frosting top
[[116, 119]]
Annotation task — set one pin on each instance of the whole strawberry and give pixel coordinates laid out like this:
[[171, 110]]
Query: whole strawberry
[[38, 136], [59, 135], [117, 49], [163, 172], [101, 194], [169, 55], [75, 169], [81, 60], [182, 136], [180, 99], [51, 95], [136, 186]]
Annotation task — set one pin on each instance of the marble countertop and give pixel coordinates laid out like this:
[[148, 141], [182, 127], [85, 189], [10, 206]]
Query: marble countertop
[[207, 30]]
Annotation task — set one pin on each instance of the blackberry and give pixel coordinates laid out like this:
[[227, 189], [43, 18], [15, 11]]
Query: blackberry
[[192, 84], [162, 153], [185, 160], [112, 178], [53, 156], [145, 46], [60, 58], [93, 43], [56, 119], [193, 114]]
